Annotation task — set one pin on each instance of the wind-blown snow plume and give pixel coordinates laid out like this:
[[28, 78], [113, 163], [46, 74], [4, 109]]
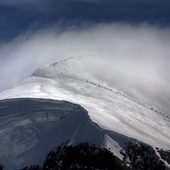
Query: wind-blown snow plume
[[138, 53]]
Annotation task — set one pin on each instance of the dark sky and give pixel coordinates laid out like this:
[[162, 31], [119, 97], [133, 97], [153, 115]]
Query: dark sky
[[19, 16]]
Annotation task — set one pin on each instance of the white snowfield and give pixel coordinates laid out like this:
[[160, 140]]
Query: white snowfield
[[109, 114]]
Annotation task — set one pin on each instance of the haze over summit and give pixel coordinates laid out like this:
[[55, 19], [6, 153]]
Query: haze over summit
[[129, 39], [140, 53]]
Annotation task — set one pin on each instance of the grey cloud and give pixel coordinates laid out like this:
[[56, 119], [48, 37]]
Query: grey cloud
[[138, 55]]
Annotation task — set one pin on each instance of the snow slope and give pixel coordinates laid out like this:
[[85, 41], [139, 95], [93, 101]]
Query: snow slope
[[107, 108], [30, 128]]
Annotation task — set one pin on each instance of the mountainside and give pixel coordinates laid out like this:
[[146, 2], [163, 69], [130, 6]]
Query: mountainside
[[32, 123], [32, 127]]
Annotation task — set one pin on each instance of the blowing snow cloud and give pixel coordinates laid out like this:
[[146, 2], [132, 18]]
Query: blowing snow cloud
[[140, 53]]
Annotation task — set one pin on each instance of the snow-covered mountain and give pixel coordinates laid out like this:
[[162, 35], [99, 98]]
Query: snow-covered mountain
[[39, 114]]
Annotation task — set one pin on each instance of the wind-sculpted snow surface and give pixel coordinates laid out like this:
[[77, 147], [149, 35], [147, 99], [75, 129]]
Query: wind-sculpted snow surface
[[107, 108], [29, 128]]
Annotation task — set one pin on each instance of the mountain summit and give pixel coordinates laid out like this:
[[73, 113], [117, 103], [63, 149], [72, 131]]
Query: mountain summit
[[63, 102]]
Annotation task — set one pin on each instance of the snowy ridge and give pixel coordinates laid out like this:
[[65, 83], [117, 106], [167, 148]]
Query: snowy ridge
[[123, 95], [22, 123], [110, 114], [35, 126]]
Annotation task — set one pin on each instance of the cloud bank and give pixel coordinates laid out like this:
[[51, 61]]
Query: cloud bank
[[120, 53]]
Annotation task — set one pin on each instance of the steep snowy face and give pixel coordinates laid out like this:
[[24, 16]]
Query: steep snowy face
[[29, 128], [106, 106]]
